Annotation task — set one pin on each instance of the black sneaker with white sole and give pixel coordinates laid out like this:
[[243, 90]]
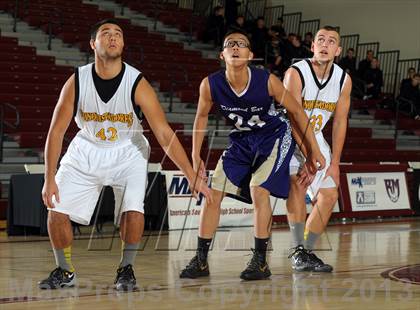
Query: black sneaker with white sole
[[306, 260], [58, 278], [316, 264], [125, 279]]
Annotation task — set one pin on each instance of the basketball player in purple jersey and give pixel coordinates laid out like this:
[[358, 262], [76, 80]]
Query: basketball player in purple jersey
[[256, 163]]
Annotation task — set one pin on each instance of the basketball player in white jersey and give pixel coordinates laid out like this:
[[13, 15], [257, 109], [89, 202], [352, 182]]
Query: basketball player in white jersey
[[110, 149], [324, 89]]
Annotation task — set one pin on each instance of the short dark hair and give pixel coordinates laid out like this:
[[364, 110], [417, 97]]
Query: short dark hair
[[94, 29], [369, 51], [411, 69], [350, 49], [330, 28], [217, 8], [233, 30]]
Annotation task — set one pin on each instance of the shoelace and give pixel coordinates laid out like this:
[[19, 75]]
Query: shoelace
[[254, 262], [194, 262], [298, 249], [125, 273], [56, 275]]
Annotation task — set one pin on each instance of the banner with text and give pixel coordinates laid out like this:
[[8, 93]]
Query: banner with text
[[184, 210], [378, 191]]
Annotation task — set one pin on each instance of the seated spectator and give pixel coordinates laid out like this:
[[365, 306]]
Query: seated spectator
[[374, 80], [411, 92], [275, 58], [260, 39], [294, 49], [277, 30], [307, 42], [215, 29], [365, 64], [231, 12], [410, 74], [348, 63], [239, 23]]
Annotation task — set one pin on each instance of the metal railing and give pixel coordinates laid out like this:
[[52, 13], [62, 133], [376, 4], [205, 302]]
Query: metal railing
[[272, 14], [308, 26], [388, 63], [291, 22], [252, 9], [4, 123], [404, 65], [362, 48], [349, 41]]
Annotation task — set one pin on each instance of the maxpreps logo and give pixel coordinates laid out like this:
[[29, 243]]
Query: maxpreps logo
[[360, 181], [180, 188], [393, 189]]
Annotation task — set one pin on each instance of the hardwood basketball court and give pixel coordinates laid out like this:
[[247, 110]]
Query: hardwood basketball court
[[369, 260]]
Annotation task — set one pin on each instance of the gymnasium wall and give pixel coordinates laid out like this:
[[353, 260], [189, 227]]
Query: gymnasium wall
[[395, 24]]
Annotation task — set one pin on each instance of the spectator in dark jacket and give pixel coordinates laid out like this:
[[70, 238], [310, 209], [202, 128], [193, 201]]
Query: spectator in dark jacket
[[215, 29], [277, 30], [374, 79], [365, 64], [410, 74], [348, 63], [239, 23], [260, 38], [231, 11], [411, 92]]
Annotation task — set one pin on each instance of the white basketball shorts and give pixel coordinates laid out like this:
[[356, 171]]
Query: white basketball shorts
[[298, 160], [87, 167]]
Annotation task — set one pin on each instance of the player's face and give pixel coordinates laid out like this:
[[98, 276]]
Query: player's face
[[236, 50], [326, 45], [109, 41]]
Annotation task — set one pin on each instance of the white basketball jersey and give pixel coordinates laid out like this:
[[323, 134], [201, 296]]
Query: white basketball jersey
[[319, 98], [108, 123]]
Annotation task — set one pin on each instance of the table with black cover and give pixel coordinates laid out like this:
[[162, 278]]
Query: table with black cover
[[27, 214]]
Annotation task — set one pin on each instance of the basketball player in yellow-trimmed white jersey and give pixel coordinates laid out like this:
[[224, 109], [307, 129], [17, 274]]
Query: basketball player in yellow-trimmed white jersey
[[105, 97], [324, 89]]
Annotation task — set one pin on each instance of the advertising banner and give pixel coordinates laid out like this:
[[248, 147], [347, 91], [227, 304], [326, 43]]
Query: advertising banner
[[184, 210], [378, 191]]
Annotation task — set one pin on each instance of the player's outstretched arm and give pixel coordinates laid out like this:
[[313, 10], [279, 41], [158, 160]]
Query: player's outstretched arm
[[293, 85], [200, 125], [63, 113], [146, 98], [300, 120], [339, 130]]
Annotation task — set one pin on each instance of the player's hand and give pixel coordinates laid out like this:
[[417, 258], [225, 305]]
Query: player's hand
[[199, 185], [49, 190], [200, 168], [305, 178], [315, 161], [334, 172]]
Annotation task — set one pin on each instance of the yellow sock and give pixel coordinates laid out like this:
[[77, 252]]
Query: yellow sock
[[305, 235], [67, 257]]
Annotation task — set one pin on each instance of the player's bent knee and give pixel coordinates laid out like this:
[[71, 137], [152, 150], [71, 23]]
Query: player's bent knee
[[259, 195], [329, 196]]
